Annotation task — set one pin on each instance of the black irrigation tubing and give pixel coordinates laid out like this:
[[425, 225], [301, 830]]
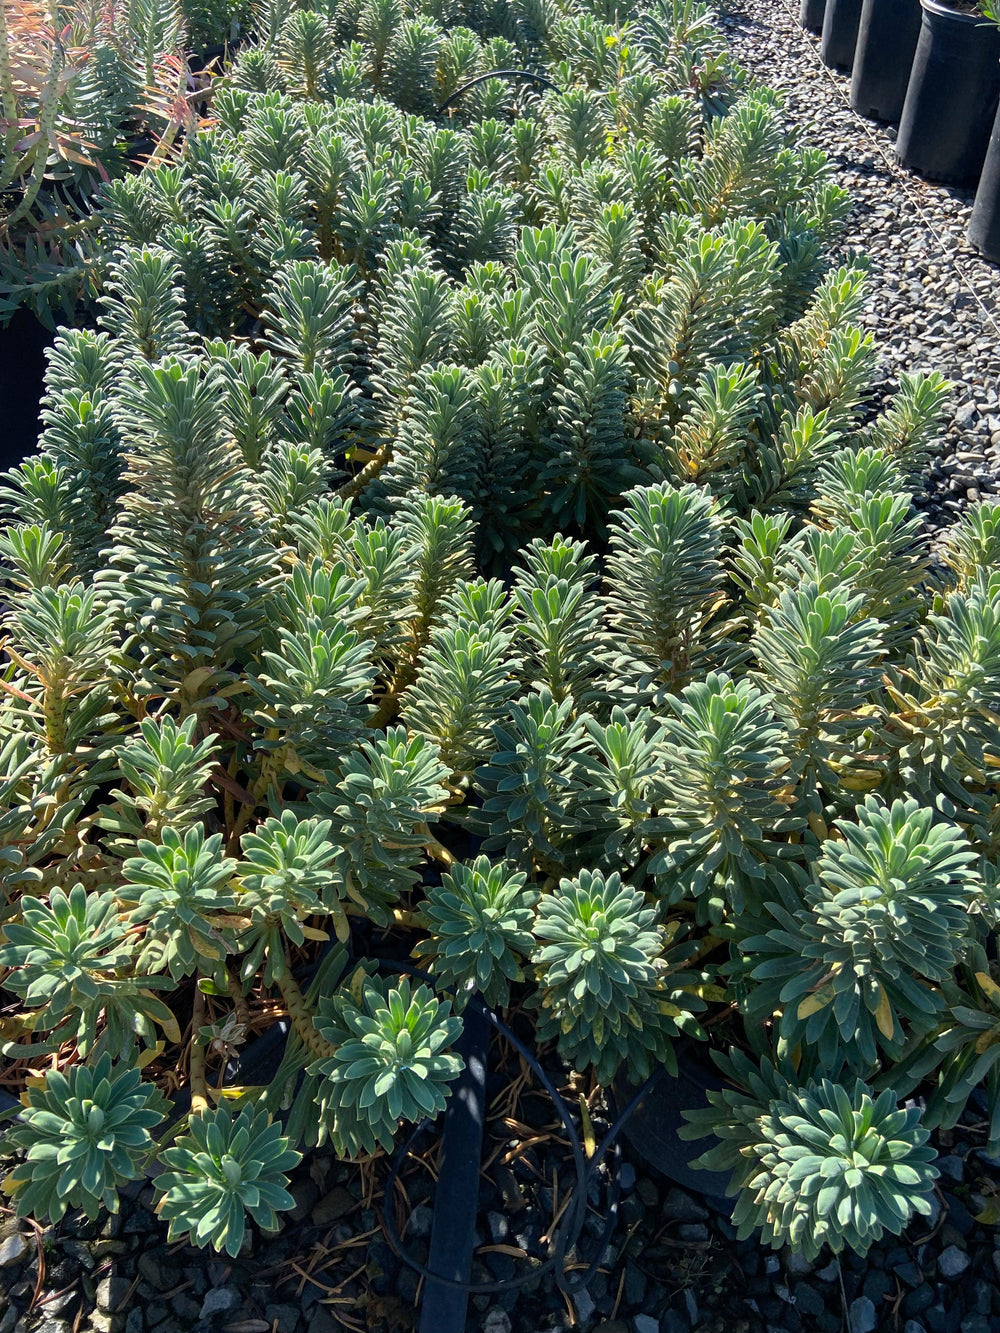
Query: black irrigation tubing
[[569, 1229], [525, 74], [566, 1235]]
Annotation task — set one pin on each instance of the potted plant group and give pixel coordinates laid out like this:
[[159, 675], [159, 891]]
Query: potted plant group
[[952, 94], [465, 529]]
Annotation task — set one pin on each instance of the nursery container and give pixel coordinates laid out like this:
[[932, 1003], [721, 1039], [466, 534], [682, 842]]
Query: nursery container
[[651, 1130], [22, 377], [811, 15], [840, 33], [984, 225], [952, 95], [887, 41]]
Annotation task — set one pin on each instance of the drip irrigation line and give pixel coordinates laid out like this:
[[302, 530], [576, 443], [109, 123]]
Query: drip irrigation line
[[525, 74], [570, 1226], [901, 178]]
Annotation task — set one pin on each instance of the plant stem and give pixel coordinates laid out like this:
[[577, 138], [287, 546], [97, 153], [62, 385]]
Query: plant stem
[[8, 98], [298, 1009], [238, 998], [196, 1067], [48, 115], [353, 488], [434, 848]]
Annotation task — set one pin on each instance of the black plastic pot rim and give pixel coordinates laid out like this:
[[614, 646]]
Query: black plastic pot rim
[[946, 11]]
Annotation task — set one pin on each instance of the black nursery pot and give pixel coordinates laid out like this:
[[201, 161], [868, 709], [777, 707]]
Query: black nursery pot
[[887, 42], [984, 225], [952, 96], [652, 1129], [840, 34], [199, 60], [23, 342], [811, 15]]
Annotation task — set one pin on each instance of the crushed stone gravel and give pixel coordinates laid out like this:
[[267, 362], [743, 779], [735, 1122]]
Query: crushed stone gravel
[[934, 301]]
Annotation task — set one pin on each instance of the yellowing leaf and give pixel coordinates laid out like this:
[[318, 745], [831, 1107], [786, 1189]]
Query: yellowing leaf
[[16, 1026], [990, 1215], [235, 1093], [311, 933], [985, 1040], [148, 1056], [706, 992], [203, 945], [589, 1138], [883, 1016], [812, 1004], [860, 781], [817, 823], [357, 985], [194, 680], [165, 1020], [989, 987]]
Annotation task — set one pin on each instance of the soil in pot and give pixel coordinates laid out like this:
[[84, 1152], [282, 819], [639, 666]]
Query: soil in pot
[[951, 97], [984, 225], [887, 42], [840, 34]]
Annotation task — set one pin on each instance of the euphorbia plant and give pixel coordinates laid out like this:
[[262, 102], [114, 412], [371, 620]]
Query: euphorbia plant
[[471, 530], [76, 82]]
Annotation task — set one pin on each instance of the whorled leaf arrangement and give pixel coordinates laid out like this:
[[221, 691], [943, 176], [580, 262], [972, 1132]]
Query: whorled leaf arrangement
[[817, 1164], [81, 85], [388, 1061], [222, 1171], [471, 527], [86, 1133]]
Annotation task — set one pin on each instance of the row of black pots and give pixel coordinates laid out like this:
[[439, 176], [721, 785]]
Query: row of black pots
[[935, 71]]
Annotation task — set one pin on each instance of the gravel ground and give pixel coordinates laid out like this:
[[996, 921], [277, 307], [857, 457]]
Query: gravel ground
[[674, 1265], [935, 304]]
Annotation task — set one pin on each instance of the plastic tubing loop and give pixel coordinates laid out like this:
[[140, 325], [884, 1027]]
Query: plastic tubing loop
[[569, 1228], [525, 74]]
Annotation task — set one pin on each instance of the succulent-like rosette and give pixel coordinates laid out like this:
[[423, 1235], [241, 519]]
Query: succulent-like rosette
[[479, 918], [605, 993], [391, 1061], [222, 1171], [885, 921], [815, 1165], [86, 1133]]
